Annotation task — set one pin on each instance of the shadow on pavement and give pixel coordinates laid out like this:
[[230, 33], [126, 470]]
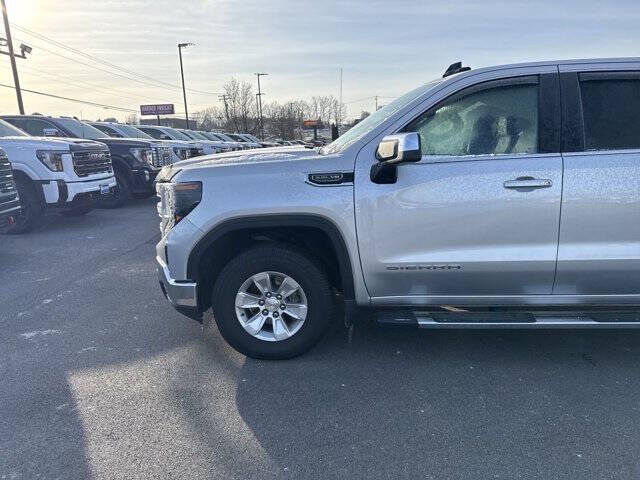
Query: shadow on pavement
[[419, 404]]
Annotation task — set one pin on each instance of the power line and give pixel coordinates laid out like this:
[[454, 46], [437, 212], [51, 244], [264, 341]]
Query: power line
[[367, 98], [358, 100], [40, 47], [82, 83], [93, 104], [155, 82]]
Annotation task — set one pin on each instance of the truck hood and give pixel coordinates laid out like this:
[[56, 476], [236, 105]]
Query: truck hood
[[245, 157], [240, 159], [51, 143], [175, 143], [125, 142]]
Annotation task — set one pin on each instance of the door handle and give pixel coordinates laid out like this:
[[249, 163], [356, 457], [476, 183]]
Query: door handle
[[528, 183]]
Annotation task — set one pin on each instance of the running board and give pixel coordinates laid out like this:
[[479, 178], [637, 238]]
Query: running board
[[524, 320]]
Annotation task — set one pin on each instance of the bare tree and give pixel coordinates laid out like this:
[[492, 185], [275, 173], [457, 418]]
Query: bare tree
[[208, 119], [132, 119], [240, 108], [338, 111]]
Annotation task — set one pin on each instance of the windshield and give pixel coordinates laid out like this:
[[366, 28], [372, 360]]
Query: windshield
[[209, 136], [225, 137], [376, 119], [80, 129], [196, 135], [176, 134], [132, 132], [237, 137], [8, 130]]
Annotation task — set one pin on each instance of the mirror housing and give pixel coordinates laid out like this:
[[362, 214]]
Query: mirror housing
[[51, 132], [401, 147]]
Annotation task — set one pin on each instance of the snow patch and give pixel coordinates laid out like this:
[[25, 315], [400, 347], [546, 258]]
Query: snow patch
[[39, 333]]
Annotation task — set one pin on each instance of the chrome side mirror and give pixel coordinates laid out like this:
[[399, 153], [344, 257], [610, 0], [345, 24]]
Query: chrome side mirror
[[401, 147]]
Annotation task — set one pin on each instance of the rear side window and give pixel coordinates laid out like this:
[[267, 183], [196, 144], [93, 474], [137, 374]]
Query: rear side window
[[108, 130], [153, 132], [611, 112], [499, 120]]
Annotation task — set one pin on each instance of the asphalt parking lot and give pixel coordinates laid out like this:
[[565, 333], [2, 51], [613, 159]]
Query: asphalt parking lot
[[101, 378]]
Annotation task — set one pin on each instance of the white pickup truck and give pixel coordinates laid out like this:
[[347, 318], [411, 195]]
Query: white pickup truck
[[66, 175]]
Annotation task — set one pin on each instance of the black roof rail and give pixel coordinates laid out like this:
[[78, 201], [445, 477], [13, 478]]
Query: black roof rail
[[455, 68]]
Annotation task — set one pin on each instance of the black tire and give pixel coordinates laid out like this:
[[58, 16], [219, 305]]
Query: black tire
[[288, 261], [77, 211], [31, 211], [121, 193]]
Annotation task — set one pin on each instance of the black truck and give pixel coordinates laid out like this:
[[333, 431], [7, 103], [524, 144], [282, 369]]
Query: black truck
[[136, 162], [9, 201]]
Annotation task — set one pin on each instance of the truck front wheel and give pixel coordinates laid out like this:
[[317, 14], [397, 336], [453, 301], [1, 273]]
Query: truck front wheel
[[121, 194], [272, 302], [31, 209]]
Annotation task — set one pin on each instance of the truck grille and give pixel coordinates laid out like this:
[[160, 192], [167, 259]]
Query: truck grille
[[8, 194], [6, 176], [91, 162], [161, 156]]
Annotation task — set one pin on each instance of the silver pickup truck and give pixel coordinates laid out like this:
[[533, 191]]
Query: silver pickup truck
[[506, 196]]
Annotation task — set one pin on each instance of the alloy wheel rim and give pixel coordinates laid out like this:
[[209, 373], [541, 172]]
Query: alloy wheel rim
[[271, 306]]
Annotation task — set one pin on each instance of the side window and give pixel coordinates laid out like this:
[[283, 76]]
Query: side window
[[153, 132], [16, 122], [498, 120], [37, 127], [108, 130], [610, 111]]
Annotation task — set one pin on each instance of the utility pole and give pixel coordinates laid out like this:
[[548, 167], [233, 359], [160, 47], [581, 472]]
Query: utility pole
[[340, 106], [259, 95], [226, 108], [23, 48], [376, 104], [184, 92]]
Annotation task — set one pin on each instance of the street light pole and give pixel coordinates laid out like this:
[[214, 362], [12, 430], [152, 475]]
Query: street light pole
[[184, 92], [16, 80], [259, 95]]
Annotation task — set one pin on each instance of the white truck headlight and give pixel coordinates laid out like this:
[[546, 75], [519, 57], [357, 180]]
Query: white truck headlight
[[52, 159]]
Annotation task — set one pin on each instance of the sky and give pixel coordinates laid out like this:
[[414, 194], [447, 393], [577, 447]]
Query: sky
[[384, 48]]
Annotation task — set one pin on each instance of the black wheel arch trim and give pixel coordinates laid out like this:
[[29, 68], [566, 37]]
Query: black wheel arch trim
[[121, 163], [279, 220]]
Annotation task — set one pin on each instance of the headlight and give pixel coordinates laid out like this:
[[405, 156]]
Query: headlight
[[181, 153], [177, 200], [144, 155], [200, 151], [51, 159]]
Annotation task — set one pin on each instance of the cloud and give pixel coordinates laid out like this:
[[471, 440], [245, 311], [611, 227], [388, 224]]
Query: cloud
[[384, 47]]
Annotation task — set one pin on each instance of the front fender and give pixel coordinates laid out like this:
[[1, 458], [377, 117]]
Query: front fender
[[345, 262]]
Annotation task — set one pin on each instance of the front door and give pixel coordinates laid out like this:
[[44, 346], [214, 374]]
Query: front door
[[479, 215]]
